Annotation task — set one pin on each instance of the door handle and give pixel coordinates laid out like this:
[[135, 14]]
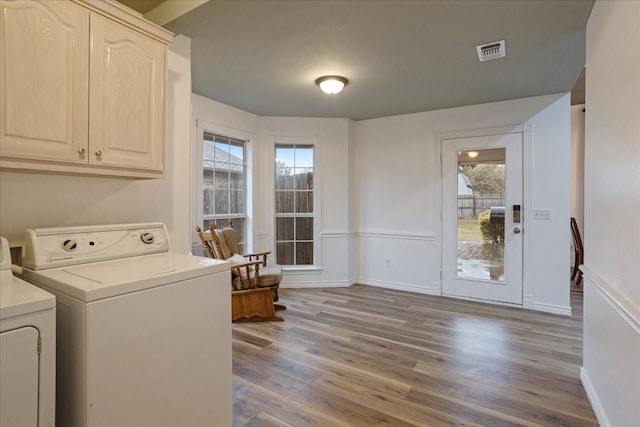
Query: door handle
[[516, 230]]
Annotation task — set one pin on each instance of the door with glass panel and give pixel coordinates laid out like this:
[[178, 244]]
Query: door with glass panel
[[481, 217]]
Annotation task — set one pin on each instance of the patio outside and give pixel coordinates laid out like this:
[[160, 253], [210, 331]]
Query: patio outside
[[480, 238]]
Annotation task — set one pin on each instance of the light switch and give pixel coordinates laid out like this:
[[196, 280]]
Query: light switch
[[542, 214]]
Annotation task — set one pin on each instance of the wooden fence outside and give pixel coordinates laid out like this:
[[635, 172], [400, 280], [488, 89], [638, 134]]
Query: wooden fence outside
[[471, 206]]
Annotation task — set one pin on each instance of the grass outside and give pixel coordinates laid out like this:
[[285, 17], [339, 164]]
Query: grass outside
[[469, 230]]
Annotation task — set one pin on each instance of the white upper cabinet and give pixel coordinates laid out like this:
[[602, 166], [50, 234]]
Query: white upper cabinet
[[45, 80], [83, 89]]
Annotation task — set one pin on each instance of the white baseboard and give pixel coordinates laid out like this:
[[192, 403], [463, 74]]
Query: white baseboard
[[596, 405], [400, 286], [551, 308]]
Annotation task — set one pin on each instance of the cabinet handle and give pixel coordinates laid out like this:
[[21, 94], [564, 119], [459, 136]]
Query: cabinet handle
[[81, 151], [98, 153]]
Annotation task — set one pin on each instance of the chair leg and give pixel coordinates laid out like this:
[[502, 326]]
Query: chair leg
[[579, 280], [576, 263], [276, 298]]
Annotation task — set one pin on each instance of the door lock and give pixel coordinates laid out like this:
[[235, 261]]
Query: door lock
[[516, 230], [516, 214]]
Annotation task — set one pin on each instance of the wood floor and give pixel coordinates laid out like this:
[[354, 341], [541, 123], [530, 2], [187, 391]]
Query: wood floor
[[366, 356]]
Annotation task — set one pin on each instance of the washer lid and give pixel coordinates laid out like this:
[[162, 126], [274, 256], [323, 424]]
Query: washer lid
[[105, 279], [18, 297]]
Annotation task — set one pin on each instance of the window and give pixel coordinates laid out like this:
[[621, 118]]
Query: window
[[224, 183], [294, 204]]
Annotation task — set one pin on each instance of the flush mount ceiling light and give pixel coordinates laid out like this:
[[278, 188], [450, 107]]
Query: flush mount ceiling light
[[331, 84], [472, 154]]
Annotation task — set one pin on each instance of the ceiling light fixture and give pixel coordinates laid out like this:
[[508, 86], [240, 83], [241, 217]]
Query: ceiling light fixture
[[331, 84], [472, 154]]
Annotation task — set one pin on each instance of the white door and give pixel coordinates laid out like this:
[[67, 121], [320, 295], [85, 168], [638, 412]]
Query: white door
[[482, 223]]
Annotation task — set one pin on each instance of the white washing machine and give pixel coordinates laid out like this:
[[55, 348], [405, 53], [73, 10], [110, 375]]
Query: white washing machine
[[27, 350], [144, 334]]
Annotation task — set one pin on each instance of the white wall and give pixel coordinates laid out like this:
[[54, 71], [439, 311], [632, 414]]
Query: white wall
[[39, 200], [611, 361], [334, 153], [398, 195]]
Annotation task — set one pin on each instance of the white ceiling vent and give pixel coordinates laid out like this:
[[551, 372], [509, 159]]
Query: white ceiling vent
[[493, 50]]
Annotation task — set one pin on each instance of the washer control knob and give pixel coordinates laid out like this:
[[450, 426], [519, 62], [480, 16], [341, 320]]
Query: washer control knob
[[70, 245], [147, 237]]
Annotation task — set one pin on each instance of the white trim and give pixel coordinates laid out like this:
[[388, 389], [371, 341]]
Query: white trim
[[527, 200], [400, 286], [552, 308], [288, 270], [396, 235], [336, 235], [473, 133], [624, 307], [596, 405]]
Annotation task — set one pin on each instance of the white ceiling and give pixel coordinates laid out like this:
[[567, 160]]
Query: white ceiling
[[400, 56]]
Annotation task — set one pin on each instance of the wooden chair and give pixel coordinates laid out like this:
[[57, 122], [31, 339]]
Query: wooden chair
[[578, 250], [254, 285]]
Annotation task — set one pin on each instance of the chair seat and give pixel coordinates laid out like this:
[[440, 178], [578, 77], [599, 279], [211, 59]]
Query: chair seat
[[270, 276]]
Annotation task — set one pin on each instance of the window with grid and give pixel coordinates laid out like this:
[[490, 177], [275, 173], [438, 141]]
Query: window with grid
[[294, 204], [224, 184]]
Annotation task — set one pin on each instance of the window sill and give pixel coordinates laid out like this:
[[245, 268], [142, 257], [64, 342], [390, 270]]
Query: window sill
[[310, 269]]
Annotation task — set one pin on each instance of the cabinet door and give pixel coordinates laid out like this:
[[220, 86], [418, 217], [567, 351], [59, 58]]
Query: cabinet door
[[44, 49], [127, 106], [19, 377]]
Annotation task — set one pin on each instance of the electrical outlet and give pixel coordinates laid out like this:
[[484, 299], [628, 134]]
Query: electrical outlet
[[542, 214], [387, 262]]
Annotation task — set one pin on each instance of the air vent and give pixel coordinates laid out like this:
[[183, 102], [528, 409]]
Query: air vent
[[493, 50]]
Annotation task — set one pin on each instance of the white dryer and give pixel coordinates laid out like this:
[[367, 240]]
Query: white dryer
[[27, 350], [144, 334]]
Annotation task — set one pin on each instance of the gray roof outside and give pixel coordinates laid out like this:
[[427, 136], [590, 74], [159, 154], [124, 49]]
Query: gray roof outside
[[224, 160]]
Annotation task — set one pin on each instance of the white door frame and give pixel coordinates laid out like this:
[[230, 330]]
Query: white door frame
[[527, 211]]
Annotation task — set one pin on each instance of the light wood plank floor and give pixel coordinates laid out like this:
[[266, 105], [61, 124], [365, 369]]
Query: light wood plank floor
[[366, 356]]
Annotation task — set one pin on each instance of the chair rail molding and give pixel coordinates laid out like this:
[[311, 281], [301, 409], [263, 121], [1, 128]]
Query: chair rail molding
[[396, 235], [624, 307], [336, 234]]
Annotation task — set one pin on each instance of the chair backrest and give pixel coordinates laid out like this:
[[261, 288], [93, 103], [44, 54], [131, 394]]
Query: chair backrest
[[575, 233], [227, 237], [210, 241]]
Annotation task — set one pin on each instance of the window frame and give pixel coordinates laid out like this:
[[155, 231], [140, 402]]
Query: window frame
[[197, 182], [315, 143]]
